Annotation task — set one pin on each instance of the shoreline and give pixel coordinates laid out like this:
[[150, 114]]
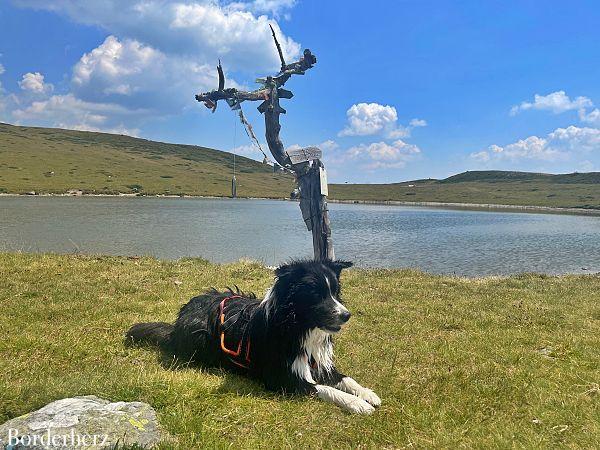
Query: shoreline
[[492, 207], [477, 206]]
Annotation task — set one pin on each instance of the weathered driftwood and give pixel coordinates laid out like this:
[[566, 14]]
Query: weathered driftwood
[[313, 205], [308, 168]]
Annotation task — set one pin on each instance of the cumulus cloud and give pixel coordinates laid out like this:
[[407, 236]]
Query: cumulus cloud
[[592, 117], [366, 119], [328, 145], [202, 30], [560, 145], [556, 102], [1, 69], [276, 8], [158, 54], [114, 88], [34, 83], [381, 155], [135, 75], [67, 111], [369, 118], [418, 123]]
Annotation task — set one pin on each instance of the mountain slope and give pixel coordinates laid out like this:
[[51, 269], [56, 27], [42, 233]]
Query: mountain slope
[[501, 175], [576, 190], [50, 160], [47, 160]]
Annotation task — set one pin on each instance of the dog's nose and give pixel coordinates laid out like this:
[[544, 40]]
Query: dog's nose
[[345, 316]]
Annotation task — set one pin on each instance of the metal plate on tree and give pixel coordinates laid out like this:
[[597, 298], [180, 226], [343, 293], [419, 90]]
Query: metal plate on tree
[[304, 154], [323, 179]]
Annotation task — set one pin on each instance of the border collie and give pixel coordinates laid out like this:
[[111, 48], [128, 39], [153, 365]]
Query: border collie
[[285, 340]]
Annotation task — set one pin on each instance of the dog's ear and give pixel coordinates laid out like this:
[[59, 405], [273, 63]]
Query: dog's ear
[[283, 270], [337, 266]]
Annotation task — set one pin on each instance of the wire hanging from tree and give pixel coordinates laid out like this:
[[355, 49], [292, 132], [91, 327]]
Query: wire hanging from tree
[[233, 179], [251, 135]]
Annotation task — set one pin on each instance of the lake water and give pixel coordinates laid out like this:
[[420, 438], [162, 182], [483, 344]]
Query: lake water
[[468, 243]]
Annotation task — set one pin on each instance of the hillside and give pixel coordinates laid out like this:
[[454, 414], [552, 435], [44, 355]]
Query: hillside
[[503, 175], [575, 190], [47, 160]]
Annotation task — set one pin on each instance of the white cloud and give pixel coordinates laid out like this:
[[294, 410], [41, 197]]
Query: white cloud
[[67, 111], [482, 156], [592, 117], [135, 75], [34, 83], [369, 118], [381, 155], [366, 119], [159, 54], [328, 146], [418, 123], [575, 139], [1, 69], [200, 30], [560, 145], [556, 102], [273, 7]]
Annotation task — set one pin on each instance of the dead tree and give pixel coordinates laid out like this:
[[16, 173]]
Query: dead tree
[[304, 163]]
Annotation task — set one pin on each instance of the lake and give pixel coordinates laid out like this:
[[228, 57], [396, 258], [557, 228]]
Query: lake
[[470, 243]]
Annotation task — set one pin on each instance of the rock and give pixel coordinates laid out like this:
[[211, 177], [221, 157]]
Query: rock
[[30, 193], [83, 422]]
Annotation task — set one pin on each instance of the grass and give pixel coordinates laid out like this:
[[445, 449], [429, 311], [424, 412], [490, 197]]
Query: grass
[[47, 160], [471, 363], [548, 191]]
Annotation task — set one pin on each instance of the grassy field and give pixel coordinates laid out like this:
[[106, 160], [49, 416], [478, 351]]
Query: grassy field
[[459, 363], [486, 187], [48, 160]]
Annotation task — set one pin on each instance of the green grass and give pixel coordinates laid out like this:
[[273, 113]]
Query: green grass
[[458, 363], [494, 187], [47, 160]]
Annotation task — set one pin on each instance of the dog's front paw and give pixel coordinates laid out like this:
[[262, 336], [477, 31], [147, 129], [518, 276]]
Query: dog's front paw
[[370, 397], [359, 406]]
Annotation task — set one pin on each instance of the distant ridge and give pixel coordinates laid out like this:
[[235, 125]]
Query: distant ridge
[[502, 175], [58, 161]]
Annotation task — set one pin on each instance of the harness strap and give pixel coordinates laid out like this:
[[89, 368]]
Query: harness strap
[[233, 353]]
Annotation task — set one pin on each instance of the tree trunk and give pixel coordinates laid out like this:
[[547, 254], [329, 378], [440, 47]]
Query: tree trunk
[[313, 204]]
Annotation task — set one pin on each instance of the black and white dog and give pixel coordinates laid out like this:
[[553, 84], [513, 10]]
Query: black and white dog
[[285, 340]]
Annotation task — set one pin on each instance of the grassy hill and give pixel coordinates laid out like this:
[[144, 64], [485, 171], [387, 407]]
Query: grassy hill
[[576, 190], [47, 160], [458, 363]]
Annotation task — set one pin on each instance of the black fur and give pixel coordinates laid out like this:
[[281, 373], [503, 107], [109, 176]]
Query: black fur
[[301, 299]]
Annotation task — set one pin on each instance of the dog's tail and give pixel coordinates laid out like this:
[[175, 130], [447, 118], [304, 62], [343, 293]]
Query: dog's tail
[[150, 333]]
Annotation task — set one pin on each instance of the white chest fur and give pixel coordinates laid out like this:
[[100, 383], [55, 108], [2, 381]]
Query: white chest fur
[[317, 347]]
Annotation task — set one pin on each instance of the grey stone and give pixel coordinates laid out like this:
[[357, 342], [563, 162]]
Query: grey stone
[[64, 423]]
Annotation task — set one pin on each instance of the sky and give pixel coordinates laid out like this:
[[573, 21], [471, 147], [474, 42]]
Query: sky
[[402, 89]]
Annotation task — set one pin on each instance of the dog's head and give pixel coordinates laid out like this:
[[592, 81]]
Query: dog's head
[[310, 290]]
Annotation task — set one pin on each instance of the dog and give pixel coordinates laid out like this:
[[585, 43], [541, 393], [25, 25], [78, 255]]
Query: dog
[[284, 341]]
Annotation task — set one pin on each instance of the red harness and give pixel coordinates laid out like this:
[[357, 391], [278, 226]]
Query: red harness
[[235, 355]]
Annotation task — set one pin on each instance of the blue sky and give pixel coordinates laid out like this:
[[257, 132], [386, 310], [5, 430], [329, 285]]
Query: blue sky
[[402, 89]]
